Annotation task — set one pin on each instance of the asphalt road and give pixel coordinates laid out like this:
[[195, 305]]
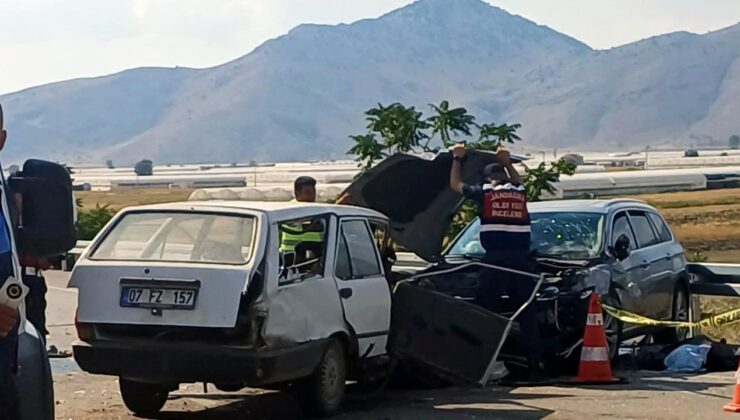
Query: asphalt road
[[648, 395]]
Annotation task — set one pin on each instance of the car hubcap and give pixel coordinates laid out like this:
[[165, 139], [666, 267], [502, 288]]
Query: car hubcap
[[331, 378]]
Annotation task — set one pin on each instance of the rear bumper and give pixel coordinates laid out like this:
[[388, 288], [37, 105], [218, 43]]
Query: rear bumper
[[189, 362]]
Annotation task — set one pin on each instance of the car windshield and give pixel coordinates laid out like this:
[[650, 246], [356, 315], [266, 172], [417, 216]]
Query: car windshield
[[554, 234], [179, 237]]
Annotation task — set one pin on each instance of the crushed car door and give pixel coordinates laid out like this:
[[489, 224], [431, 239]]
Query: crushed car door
[[362, 286]]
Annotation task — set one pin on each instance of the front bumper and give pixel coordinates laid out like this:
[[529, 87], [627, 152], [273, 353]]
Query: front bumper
[[177, 362]]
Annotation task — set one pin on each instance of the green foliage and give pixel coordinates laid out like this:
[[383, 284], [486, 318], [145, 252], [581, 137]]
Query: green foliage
[[90, 222], [398, 129], [541, 179], [467, 212], [696, 257], [456, 121], [144, 167], [734, 141]]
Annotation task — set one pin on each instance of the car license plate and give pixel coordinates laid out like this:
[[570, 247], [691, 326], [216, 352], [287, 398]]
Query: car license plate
[[158, 297]]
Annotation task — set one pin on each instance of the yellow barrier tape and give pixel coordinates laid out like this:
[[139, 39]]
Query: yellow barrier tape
[[715, 321]]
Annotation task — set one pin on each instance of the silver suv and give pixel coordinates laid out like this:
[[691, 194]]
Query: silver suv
[[627, 238], [623, 249]]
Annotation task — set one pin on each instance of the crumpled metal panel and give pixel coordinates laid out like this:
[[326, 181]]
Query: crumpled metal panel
[[452, 337]]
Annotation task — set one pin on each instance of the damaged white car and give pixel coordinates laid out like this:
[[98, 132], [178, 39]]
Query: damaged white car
[[235, 294]]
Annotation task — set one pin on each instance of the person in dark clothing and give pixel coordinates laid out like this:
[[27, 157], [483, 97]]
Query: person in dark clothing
[[505, 235], [36, 299], [9, 319], [9, 322]]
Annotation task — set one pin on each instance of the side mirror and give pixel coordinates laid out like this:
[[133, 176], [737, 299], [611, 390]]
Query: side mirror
[[622, 247], [46, 209]]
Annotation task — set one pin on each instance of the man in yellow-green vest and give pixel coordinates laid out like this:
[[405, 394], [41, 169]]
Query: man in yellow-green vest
[[304, 191]]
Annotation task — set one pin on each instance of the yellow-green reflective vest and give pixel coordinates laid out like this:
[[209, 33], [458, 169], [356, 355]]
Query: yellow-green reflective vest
[[293, 234]]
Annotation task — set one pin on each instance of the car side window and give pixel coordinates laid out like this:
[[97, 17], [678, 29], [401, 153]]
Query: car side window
[[643, 229], [357, 247], [343, 270], [621, 226], [302, 246], [660, 225]]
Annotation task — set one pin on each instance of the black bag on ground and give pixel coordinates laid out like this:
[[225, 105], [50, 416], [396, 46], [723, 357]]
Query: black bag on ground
[[47, 225]]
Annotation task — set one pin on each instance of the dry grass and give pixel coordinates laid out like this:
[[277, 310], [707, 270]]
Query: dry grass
[[692, 198], [707, 222], [118, 199], [713, 305]]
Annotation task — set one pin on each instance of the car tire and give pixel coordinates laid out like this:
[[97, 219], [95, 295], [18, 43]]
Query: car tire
[[324, 390], [141, 398], [680, 312], [613, 329]]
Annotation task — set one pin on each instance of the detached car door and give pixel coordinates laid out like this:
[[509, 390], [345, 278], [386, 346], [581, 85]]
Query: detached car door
[[362, 286]]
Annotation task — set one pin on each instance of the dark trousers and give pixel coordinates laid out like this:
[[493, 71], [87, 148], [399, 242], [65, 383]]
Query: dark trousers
[[9, 398], [36, 301], [493, 284]]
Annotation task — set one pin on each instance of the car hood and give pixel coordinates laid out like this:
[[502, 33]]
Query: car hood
[[414, 193]]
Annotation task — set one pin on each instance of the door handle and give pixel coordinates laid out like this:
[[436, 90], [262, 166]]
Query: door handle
[[345, 293], [645, 264]]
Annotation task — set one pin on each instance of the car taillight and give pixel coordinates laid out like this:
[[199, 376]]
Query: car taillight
[[85, 332]]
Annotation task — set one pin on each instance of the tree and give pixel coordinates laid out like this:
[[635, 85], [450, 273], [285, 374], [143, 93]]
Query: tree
[[144, 167], [397, 129], [734, 142], [400, 130], [109, 164], [90, 222], [456, 121]]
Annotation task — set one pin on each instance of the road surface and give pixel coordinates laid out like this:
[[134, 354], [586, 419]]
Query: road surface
[[648, 395]]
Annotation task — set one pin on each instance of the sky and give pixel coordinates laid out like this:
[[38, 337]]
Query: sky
[[43, 41]]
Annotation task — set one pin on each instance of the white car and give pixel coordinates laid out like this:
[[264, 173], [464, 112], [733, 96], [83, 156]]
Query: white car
[[214, 292]]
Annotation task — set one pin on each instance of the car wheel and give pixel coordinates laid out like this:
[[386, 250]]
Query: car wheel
[[681, 312], [325, 388], [141, 398], [613, 329]]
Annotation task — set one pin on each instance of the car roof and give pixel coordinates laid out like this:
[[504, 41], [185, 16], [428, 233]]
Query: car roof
[[586, 206], [274, 209]]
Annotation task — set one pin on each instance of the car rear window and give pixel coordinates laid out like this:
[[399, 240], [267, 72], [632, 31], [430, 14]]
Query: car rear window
[[179, 237]]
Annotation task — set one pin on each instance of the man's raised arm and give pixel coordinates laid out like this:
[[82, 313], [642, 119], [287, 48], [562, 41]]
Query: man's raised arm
[[456, 182]]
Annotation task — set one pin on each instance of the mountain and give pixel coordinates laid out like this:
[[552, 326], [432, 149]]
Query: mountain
[[301, 95]]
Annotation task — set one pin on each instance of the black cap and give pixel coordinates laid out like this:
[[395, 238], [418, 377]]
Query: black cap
[[303, 181], [492, 169]]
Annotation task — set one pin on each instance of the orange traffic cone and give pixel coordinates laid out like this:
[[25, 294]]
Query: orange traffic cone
[[595, 366], [734, 406]]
